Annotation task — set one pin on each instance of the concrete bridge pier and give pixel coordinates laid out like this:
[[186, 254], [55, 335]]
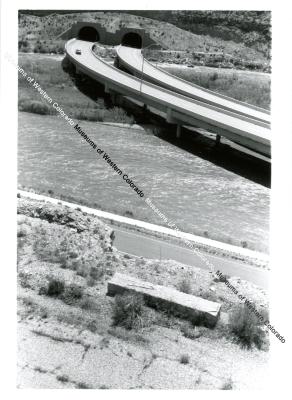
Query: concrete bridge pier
[[169, 116], [218, 139], [106, 89], [115, 97], [171, 120]]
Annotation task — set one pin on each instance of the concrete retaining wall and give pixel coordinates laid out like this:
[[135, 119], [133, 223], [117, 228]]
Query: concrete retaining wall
[[184, 305]]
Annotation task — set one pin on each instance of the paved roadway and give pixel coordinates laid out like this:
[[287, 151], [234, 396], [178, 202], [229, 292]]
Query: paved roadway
[[143, 246], [181, 108], [133, 59]]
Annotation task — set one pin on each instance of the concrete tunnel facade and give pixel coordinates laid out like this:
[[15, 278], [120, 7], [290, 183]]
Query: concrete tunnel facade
[[94, 32]]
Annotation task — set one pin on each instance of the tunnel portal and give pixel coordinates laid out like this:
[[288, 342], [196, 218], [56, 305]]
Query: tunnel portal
[[89, 34], [132, 39]]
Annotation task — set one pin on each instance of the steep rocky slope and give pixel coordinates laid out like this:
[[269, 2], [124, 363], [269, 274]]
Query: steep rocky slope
[[66, 334]]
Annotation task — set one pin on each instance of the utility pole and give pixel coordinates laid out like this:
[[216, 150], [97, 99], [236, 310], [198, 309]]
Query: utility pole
[[143, 58], [142, 71]]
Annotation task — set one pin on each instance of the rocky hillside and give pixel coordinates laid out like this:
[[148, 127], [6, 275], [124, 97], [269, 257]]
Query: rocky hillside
[[253, 28], [39, 33], [71, 335]]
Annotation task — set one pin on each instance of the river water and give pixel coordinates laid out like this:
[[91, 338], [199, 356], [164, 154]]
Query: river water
[[197, 195]]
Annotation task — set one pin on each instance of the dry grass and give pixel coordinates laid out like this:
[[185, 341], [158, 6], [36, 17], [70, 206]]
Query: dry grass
[[86, 104], [128, 336], [76, 252], [243, 87], [246, 327]]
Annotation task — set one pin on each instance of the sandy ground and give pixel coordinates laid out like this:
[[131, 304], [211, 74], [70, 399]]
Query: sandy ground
[[59, 356]]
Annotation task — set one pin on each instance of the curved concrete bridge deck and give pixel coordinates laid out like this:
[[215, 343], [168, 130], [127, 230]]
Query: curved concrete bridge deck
[[178, 109], [133, 60]]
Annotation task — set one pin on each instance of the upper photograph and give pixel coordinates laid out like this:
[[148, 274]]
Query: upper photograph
[[144, 176]]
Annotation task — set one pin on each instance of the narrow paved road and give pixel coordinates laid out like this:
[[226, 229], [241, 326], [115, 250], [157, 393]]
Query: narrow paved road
[[143, 246]]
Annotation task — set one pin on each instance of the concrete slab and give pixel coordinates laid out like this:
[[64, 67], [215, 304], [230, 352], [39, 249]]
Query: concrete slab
[[187, 306]]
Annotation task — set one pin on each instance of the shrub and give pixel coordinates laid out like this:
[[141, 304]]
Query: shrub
[[72, 294], [24, 279], [55, 288], [245, 326], [63, 378], [83, 385], [214, 76], [198, 318], [189, 333], [209, 295], [128, 213], [128, 311], [34, 106], [117, 114], [185, 286], [92, 326], [82, 269], [88, 304], [21, 231], [96, 272], [184, 359], [90, 282], [227, 385]]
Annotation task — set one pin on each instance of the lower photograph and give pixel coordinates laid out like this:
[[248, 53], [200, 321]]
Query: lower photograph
[[144, 175]]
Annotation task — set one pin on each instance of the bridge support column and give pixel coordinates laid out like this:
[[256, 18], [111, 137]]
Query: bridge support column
[[113, 97], [218, 138], [178, 131], [168, 115]]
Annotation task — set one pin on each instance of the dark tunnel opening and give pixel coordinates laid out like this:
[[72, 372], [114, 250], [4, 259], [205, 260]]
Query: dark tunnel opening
[[89, 34], [132, 39]]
